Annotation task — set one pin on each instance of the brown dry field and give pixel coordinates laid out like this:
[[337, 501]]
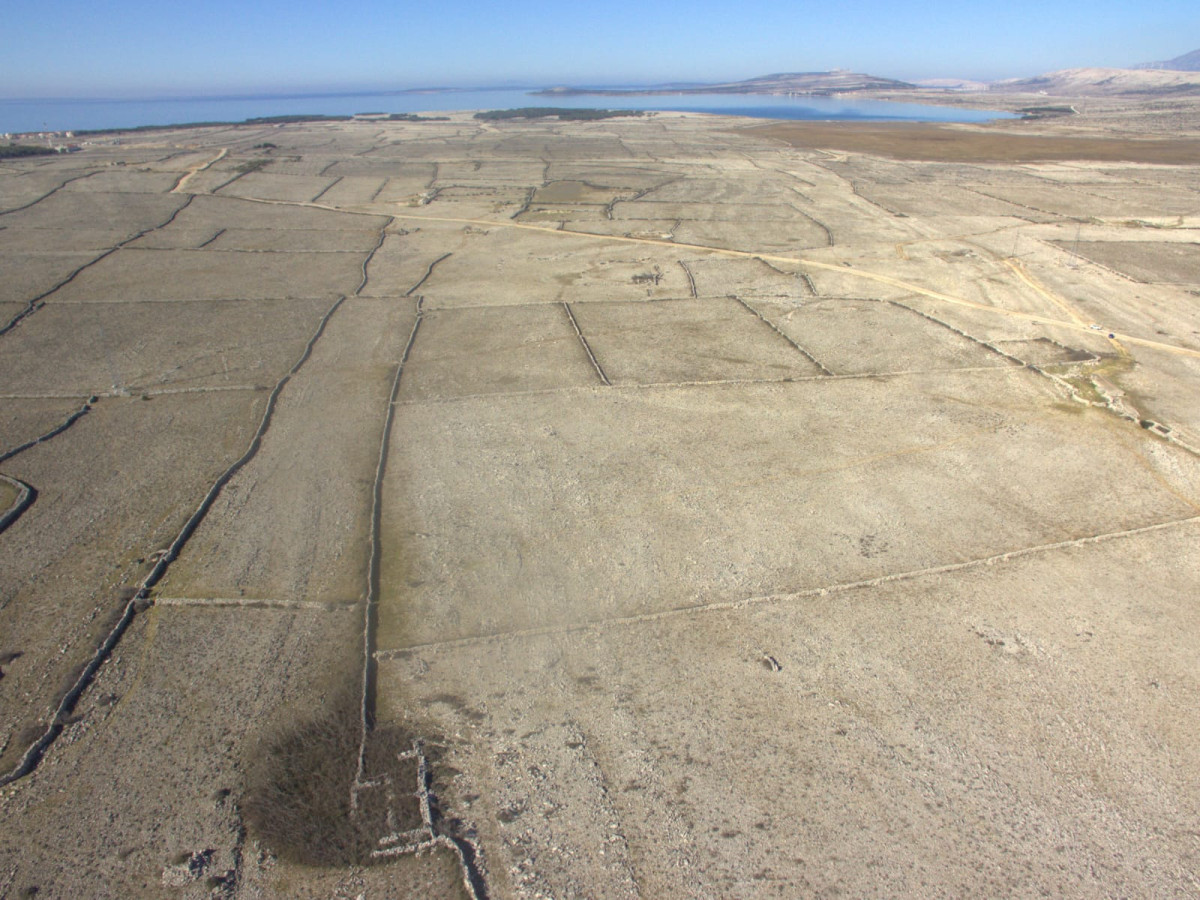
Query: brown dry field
[[680, 506], [951, 143]]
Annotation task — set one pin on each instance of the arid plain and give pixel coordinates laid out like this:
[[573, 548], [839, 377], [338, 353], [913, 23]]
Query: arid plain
[[673, 506]]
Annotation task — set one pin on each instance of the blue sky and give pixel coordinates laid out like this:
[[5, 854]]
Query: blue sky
[[144, 49]]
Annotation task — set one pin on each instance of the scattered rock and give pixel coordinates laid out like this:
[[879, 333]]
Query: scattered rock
[[191, 869]]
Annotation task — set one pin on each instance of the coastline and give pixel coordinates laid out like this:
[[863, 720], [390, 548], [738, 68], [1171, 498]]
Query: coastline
[[24, 117]]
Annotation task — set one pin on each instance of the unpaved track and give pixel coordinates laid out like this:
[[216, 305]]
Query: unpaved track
[[1074, 322], [181, 185]]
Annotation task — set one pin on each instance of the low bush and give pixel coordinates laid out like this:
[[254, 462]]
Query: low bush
[[297, 793]]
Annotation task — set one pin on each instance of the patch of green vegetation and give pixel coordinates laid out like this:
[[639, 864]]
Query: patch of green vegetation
[[261, 120], [1085, 388], [1083, 377], [1142, 223], [553, 112], [296, 797], [1046, 112], [412, 117], [252, 165], [96, 131], [1067, 406], [14, 151], [293, 120]]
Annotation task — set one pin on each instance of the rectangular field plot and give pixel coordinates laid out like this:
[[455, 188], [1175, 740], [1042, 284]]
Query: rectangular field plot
[[87, 348], [269, 186], [783, 237], [104, 219], [687, 340], [80, 240], [308, 166], [920, 200], [520, 512], [125, 181], [352, 191], [704, 212], [561, 212], [737, 190], [460, 202], [28, 419], [376, 169], [214, 178], [296, 240], [1149, 261], [488, 350], [490, 173], [857, 337], [92, 527], [29, 274], [542, 145], [505, 266], [881, 697], [20, 188], [404, 191], [593, 221], [1053, 199], [724, 277], [132, 275], [265, 538], [233, 212], [574, 192], [1141, 200], [602, 175], [402, 262]]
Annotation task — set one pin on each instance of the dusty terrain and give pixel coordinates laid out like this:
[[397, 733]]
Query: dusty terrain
[[671, 507]]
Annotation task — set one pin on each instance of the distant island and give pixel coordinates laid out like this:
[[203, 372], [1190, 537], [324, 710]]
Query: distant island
[[838, 81], [1177, 76], [1188, 62]]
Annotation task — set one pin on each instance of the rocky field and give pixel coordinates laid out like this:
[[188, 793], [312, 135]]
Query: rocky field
[[677, 506]]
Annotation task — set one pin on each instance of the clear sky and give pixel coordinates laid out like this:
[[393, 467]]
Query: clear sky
[[148, 48]]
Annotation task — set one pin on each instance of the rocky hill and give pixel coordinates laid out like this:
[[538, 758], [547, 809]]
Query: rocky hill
[[1188, 62], [835, 82], [1104, 82]]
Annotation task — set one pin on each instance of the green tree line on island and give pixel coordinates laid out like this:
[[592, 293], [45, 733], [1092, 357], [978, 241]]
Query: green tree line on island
[[11, 151], [551, 112]]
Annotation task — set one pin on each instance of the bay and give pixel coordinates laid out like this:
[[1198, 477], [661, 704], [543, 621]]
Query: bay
[[18, 116]]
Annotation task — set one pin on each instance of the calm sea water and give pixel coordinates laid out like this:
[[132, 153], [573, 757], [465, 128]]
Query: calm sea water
[[64, 115]]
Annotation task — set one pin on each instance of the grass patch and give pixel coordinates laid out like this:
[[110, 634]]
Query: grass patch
[[16, 151], [297, 795], [260, 120], [1082, 376], [296, 800], [252, 165], [1046, 112]]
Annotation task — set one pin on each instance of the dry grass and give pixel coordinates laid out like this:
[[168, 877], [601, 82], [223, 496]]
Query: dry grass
[[296, 800], [297, 794], [926, 141]]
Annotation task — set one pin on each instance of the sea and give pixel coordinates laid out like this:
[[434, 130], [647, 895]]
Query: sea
[[18, 116]]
